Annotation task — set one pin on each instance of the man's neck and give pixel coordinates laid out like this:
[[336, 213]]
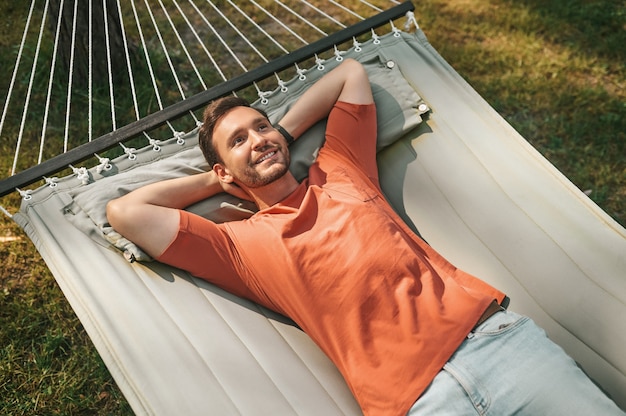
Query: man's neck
[[268, 195]]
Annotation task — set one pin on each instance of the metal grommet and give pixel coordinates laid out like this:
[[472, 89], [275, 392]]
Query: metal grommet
[[391, 64], [423, 108]]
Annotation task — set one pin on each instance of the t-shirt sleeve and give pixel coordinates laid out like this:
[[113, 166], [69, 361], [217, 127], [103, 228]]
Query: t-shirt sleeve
[[205, 250], [351, 132]]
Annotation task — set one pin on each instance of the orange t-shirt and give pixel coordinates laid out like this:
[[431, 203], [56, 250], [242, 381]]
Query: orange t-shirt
[[386, 308]]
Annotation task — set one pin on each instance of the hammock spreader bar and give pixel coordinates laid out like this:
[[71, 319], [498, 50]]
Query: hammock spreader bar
[[175, 111]]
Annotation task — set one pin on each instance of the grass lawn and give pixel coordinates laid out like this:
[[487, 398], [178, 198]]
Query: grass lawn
[[556, 70]]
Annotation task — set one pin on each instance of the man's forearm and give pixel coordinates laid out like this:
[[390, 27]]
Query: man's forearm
[[347, 82], [176, 193], [149, 216]]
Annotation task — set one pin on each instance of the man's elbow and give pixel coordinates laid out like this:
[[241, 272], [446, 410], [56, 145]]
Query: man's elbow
[[148, 226], [115, 213]]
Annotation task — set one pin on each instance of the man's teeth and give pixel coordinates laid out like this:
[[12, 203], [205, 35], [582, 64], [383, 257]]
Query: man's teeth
[[267, 156]]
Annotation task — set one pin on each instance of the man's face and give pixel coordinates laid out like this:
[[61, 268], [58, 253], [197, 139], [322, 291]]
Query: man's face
[[253, 152]]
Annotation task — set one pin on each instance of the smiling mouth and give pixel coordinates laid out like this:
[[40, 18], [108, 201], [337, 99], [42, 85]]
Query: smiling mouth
[[265, 157]]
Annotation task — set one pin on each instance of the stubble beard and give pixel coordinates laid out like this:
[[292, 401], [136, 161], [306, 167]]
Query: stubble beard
[[252, 178]]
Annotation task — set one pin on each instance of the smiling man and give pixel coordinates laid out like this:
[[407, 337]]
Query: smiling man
[[397, 319], [247, 151], [249, 138]]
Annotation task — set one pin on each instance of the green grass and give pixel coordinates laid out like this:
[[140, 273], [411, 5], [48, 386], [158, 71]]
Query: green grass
[[555, 70], [47, 364]]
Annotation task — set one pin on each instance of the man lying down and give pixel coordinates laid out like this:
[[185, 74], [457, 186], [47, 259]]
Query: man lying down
[[409, 332]]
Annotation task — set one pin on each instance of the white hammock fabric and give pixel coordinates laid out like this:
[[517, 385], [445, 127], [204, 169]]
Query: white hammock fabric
[[475, 190]]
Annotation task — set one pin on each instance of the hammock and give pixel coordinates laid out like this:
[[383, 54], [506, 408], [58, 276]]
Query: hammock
[[450, 165]]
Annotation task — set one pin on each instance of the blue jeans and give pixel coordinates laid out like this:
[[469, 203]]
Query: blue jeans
[[507, 366]]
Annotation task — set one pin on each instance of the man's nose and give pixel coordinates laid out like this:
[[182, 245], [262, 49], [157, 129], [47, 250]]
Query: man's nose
[[258, 140]]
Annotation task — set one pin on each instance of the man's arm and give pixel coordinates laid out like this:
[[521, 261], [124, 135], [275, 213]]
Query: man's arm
[[149, 215], [348, 82]]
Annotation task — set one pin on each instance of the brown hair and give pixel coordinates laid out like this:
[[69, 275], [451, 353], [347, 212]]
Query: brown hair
[[214, 111]]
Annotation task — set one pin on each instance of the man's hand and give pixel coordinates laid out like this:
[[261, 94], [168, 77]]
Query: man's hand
[[236, 191]]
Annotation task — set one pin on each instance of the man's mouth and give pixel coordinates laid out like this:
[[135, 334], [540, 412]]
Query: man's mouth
[[266, 156]]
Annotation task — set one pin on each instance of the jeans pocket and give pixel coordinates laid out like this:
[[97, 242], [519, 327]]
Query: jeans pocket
[[499, 323]]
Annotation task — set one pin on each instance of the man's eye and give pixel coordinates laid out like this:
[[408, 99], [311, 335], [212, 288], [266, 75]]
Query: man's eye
[[263, 127], [238, 140]]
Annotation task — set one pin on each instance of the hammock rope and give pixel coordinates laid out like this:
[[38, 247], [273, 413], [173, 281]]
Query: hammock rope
[[344, 8], [49, 93], [201, 43], [128, 65], [182, 45], [280, 22], [109, 66], [326, 15], [378, 9], [31, 81], [147, 55], [219, 37], [259, 28], [302, 19], [16, 68], [166, 53], [90, 73], [81, 173], [68, 100], [169, 62], [236, 29], [201, 36]]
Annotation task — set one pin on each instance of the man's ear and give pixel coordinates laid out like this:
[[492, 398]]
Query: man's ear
[[223, 173]]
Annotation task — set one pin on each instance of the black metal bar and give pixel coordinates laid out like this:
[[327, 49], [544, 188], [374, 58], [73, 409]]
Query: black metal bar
[[179, 109]]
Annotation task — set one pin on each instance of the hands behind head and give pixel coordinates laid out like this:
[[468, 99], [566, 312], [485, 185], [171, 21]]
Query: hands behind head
[[234, 189]]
